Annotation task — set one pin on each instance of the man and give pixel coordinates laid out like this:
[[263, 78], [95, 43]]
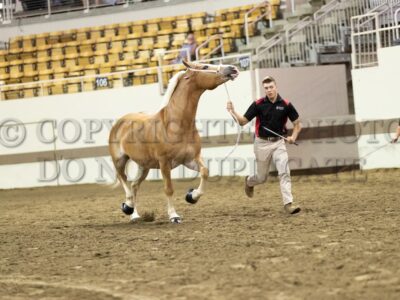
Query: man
[[271, 112], [397, 134], [190, 46]]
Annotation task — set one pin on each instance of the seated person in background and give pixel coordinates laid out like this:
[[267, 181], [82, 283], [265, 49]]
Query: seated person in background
[[189, 45]]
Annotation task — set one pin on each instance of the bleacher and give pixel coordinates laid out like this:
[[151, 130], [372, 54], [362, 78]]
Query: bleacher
[[324, 37], [40, 64]]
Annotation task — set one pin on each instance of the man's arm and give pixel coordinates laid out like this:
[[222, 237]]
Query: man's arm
[[241, 119], [296, 130]]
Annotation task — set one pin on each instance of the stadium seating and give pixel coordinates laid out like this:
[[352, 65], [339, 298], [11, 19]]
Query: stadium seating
[[112, 48]]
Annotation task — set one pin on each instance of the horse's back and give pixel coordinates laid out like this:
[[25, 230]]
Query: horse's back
[[127, 122]]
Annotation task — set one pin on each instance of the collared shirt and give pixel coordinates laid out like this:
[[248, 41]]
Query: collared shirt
[[271, 115]]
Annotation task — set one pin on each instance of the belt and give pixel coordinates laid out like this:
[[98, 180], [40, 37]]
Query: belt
[[270, 139]]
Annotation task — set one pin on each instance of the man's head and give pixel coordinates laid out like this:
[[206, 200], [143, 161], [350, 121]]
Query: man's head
[[270, 89], [190, 37]]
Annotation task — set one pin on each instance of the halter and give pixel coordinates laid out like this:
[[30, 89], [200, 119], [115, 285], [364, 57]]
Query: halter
[[217, 71]]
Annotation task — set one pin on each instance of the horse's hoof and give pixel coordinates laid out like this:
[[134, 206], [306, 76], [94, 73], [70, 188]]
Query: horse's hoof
[[189, 197], [176, 220], [135, 216], [126, 209]]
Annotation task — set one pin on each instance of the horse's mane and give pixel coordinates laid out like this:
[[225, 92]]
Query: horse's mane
[[173, 82]]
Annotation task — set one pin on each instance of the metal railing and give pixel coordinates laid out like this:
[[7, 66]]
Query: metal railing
[[326, 32], [286, 47], [33, 8], [272, 52], [397, 20], [214, 50], [248, 21], [7, 10], [373, 31], [298, 42]]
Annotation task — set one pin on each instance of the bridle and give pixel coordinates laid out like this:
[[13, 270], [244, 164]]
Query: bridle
[[217, 71]]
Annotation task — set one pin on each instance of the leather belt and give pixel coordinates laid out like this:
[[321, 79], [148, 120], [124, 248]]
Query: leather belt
[[270, 139]]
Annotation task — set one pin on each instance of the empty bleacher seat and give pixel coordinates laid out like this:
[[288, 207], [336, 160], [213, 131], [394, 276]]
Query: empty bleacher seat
[[67, 36], [110, 30], [147, 43], [41, 41], [9, 93], [73, 86], [71, 50], [96, 32], [166, 25], [124, 29], [30, 91], [116, 46], [182, 25], [152, 29], [100, 59]]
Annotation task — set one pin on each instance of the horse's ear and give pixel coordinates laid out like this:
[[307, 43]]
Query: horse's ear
[[186, 63]]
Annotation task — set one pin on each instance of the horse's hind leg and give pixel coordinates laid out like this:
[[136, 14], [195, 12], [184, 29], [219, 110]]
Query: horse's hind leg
[[169, 191], [193, 195], [120, 165], [142, 174]]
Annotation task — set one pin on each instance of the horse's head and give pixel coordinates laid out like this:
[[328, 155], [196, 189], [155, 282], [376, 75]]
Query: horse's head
[[209, 76]]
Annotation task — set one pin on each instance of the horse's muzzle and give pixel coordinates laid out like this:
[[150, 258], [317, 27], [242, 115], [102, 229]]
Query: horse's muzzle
[[231, 72]]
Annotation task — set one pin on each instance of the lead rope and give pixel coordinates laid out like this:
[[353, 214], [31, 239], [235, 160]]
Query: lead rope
[[239, 129]]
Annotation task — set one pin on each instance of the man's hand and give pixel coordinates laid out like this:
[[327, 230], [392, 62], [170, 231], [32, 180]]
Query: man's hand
[[229, 107], [290, 140]]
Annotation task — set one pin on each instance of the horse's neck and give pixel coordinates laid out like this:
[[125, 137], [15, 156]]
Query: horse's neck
[[183, 104]]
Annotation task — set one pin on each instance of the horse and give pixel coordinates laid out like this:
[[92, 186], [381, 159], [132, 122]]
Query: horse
[[168, 138]]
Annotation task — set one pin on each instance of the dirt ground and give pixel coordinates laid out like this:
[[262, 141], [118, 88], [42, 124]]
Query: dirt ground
[[74, 242]]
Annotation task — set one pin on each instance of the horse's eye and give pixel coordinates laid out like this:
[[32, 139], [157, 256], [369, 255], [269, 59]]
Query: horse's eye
[[205, 67]]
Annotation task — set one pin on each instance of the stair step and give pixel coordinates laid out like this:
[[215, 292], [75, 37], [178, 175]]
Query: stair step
[[302, 11], [271, 31]]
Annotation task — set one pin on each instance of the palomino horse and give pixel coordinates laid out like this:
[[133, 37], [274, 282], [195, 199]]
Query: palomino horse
[[168, 138]]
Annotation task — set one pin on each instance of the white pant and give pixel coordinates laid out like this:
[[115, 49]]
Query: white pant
[[265, 151]]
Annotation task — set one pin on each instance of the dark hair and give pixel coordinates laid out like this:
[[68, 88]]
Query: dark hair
[[190, 32], [268, 79]]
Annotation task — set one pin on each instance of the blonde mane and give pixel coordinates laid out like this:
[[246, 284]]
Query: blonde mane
[[171, 88]]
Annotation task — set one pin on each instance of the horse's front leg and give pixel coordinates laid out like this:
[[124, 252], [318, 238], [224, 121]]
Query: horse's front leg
[[169, 192], [193, 195]]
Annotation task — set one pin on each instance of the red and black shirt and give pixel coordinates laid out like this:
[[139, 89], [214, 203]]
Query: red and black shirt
[[271, 115]]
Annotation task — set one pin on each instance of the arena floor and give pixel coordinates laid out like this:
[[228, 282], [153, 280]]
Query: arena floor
[[74, 243]]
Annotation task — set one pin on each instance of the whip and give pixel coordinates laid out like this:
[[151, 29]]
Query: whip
[[281, 136], [379, 148]]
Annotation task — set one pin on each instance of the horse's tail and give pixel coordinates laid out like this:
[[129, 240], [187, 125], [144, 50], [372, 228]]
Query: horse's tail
[[118, 158]]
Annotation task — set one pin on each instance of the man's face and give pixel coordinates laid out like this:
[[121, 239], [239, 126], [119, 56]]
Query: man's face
[[270, 90], [190, 38]]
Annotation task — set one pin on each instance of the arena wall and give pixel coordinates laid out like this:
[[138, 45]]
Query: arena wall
[[376, 100], [73, 140]]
